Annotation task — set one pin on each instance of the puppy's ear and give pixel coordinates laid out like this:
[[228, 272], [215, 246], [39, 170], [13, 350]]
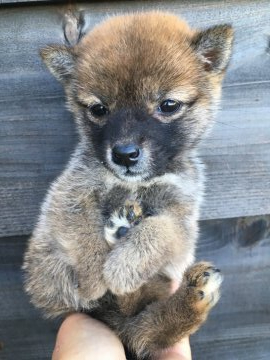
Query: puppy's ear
[[60, 60], [213, 47]]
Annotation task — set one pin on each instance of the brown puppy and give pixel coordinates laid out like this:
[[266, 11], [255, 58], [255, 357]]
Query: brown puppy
[[122, 218]]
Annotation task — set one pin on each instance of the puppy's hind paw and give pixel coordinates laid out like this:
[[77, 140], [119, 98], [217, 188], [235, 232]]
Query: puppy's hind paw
[[203, 281]]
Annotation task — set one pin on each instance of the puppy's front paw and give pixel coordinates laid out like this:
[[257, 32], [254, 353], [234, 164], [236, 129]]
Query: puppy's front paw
[[203, 285], [122, 220]]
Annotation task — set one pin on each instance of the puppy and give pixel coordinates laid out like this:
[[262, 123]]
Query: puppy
[[121, 221]]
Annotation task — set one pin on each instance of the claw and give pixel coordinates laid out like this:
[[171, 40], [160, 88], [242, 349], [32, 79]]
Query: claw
[[131, 215], [201, 293]]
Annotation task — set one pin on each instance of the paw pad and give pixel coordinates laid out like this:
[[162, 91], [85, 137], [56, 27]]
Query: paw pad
[[122, 231]]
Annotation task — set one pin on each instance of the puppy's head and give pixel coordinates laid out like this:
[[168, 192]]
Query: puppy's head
[[143, 88]]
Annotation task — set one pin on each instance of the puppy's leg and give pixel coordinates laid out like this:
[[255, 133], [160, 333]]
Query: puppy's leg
[[165, 322], [145, 250], [49, 279], [158, 288], [63, 264]]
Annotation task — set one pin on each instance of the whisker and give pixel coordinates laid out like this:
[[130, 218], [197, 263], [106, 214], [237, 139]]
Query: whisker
[[223, 123]]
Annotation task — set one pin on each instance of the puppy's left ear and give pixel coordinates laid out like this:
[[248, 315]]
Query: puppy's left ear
[[213, 47]]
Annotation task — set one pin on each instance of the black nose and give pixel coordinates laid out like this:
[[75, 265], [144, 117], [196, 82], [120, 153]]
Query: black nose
[[126, 155]]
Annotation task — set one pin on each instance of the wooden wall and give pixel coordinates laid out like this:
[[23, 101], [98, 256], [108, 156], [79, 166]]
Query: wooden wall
[[37, 133], [37, 136]]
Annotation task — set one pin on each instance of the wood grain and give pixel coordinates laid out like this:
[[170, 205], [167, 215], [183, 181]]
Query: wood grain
[[37, 134], [237, 329]]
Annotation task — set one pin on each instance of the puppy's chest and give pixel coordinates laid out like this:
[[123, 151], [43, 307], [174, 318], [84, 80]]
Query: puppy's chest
[[123, 208], [151, 199]]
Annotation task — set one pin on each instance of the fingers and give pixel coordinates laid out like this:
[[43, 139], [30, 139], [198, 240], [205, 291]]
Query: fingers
[[180, 351], [82, 338], [174, 286]]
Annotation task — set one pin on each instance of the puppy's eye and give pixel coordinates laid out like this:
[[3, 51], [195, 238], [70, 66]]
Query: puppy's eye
[[99, 110], [169, 106]]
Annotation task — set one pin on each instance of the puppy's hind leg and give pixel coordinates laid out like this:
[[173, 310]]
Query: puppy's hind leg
[[163, 323]]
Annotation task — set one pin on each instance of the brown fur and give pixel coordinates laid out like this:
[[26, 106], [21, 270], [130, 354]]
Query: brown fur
[[76, 260]]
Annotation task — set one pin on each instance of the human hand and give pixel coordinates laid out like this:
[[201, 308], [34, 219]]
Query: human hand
[[82, 338], [180, 351]]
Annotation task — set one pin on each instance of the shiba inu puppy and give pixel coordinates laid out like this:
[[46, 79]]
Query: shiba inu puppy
[[121, 221]]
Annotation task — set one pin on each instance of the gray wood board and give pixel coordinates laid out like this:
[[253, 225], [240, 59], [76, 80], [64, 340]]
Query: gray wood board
[[37, 134], [238, 327], [6, 2]]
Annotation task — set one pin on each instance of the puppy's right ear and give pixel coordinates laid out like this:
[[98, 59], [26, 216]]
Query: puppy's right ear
[[60, 60], [213, 46]]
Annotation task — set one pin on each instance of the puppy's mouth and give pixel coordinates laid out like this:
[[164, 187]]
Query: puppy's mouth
[[128, 174], [138, 172]]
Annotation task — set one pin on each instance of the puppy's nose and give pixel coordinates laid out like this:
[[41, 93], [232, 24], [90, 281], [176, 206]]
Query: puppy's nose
[[126, 155]]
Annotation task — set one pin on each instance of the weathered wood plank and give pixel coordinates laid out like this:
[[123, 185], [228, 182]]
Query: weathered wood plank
[[23, 333], [250, 19], [6, 2], [238, 328], [236, 154], [37, 134]]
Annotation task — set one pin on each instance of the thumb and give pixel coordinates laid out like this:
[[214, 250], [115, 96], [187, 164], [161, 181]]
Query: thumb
[[180, 351]]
